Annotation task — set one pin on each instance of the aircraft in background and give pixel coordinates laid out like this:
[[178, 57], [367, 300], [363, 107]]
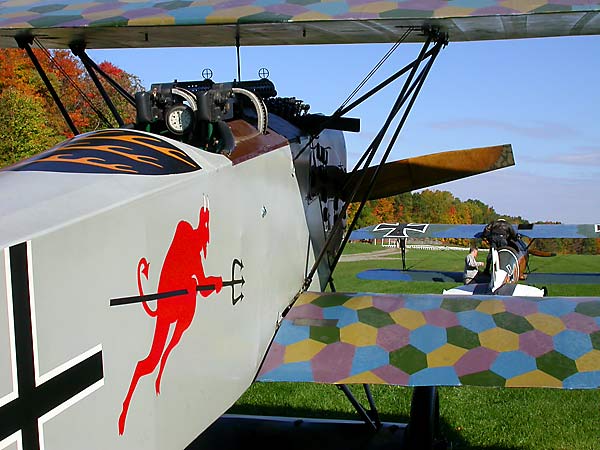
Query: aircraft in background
[[509, 251], [143, 291]]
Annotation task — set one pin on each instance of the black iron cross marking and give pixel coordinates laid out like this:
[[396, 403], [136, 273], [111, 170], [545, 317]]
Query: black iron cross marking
[[34, 401], [400, 230]]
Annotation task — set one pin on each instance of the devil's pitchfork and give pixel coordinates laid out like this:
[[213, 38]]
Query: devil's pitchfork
[[236, 266]]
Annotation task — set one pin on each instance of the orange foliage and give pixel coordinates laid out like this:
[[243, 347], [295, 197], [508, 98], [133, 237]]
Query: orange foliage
[[16, 70], [384, 208], [111, 70], [72, 84]]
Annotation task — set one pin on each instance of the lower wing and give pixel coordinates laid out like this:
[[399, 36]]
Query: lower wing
[[435, 340], [439, 276]]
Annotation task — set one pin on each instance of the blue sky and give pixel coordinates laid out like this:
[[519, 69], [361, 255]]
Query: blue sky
[[540, 95]]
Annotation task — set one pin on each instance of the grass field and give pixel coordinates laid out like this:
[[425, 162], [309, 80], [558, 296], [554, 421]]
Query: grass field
[[472, 418]]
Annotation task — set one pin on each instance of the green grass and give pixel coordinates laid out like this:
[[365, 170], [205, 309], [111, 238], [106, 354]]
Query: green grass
[[471, 417], [453, 260]]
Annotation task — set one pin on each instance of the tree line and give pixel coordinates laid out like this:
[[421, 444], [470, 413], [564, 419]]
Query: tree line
[[433, 206]]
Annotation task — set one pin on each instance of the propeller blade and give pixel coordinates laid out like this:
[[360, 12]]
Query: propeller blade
[[419, 172]]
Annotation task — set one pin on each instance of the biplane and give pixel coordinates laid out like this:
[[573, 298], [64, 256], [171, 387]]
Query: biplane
[[142, 290], [507, 264]]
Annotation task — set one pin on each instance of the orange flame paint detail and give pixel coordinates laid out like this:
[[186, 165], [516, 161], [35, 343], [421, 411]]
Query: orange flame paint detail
[[123, 151], [89, 161], [115, 150], [142, 140]]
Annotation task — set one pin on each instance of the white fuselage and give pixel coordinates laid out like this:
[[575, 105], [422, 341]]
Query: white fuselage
[[84, 235]]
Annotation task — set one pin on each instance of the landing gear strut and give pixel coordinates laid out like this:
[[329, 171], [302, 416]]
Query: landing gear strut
[[423, 430]]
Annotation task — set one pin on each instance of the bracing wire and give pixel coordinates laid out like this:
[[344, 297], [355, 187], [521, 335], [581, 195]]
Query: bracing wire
[[375, 68], [363, 82], [72, 82]]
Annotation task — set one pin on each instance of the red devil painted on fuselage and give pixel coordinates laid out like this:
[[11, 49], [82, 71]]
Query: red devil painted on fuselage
[[182, 270]]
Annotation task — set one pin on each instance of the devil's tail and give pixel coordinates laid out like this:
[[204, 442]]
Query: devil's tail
[[143, 267]]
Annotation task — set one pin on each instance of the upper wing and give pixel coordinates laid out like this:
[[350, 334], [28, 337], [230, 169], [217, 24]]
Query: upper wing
[[433, 340], [472, 231], [283, 22]]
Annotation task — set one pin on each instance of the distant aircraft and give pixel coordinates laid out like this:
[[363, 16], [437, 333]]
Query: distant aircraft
[[153, 271], [508, 258]]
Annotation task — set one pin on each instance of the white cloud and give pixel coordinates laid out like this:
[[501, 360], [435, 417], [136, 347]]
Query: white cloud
[[582, 156]]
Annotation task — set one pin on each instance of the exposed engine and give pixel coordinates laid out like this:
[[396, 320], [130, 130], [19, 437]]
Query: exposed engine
[[195, 112]]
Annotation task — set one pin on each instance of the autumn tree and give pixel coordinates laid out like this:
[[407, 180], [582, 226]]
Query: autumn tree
[[80, 95], [30, 121], [403, 206], [24, 130], [383, 209], [480, 212], [367, 216]]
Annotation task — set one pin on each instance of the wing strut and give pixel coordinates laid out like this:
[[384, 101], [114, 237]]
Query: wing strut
[[79, 51], [423, 430], [370, 417], [406, 98], [87, 61], [25, 43], [237, 51]]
